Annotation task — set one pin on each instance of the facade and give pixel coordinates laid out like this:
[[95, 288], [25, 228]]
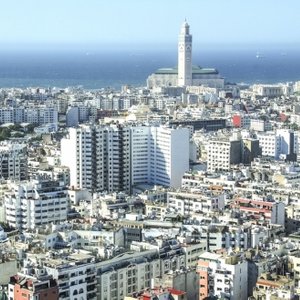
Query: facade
[[37, 115], [76, 276], [124, 275], [135, 271], [221, 154], [185, 74], [278, 144], [37, 202], [250, 150], [274, 212], [208, 124], [224, 277], [190, 203], [219, 237], [13, 161], [113, 158], [98, 158], [272, 90], [36, 286], [169, 152]]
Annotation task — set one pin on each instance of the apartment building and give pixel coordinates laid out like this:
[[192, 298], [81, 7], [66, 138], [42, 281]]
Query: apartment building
[[279, 144], [36, 115], [98, 157], [193, 202], [221, 154], [127, 273], [114, 158], [13, 161], [75, 275], [273, 212], [36, 202], [32, 283], [219, 236], [222, 276], [135, 271]]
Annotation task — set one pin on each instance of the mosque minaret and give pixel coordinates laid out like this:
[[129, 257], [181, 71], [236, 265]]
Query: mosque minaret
[[185, 56], [185, 73]]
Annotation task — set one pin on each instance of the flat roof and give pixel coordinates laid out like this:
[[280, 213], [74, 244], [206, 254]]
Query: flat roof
[[195, 70]]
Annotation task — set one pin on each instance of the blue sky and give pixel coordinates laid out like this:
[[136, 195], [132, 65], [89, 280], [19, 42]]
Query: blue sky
[[147, 22]]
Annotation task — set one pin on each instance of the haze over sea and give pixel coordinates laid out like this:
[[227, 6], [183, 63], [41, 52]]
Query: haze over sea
[[94, 69]]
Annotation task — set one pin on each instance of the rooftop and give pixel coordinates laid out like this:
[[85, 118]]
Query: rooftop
[[195, 70]]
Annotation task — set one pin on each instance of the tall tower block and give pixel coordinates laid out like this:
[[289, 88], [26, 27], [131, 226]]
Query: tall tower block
[[185, 56]]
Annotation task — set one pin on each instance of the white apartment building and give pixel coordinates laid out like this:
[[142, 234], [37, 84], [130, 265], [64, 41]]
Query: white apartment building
[[269, 144], [190, 203], [47, 115], [98, 157], [37, 115], [169, 152], [36, 202], [13, 161], [113, 158], [278, 144], [75, 275], [223, 276], [222, 153]]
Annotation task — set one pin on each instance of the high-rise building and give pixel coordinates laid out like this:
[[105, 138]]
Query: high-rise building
[[115, 158], [158, 155], [98, 157], [185, 56]]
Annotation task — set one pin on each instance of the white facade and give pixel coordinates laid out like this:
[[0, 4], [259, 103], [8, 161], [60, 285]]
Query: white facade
[[76, 276], [140, 154], [113, 158], [169, 155], [122, 276], [185, 56], [190, 203], [269, 144], [272, 90], [36, 115], [225, 277], [13, 161], [98, 157], [279, 143], [222, 153], [35, 203]]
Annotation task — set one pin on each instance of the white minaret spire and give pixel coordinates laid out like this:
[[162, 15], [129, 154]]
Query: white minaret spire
[[185, 56]]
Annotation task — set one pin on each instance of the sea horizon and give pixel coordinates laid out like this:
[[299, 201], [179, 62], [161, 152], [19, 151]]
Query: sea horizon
[[96, 69]]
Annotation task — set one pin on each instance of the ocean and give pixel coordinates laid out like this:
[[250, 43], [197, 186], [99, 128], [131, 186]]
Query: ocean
[[99, 69]]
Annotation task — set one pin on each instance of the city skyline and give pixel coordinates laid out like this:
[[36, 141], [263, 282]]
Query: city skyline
[[36, 24]]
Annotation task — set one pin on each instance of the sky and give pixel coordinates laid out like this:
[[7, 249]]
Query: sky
[[149, 23]]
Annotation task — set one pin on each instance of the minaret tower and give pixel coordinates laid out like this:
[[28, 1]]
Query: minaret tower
[[185, 56]]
